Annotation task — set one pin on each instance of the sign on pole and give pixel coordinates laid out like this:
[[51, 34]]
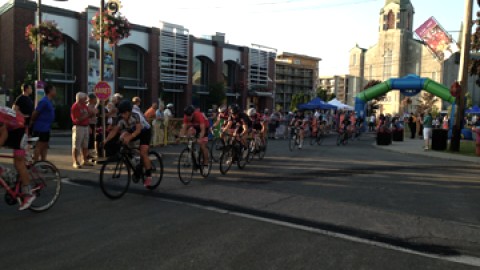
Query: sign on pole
[[39, 91], [102, 90], [437, 39]]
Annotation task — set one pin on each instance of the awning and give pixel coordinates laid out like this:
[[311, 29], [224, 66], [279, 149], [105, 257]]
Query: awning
[[260, 94]]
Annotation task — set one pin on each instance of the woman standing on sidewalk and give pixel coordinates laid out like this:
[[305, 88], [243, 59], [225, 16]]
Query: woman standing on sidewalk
[[427, 129]]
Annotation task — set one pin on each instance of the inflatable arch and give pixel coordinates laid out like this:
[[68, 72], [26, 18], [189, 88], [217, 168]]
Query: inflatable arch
[[411, 85]]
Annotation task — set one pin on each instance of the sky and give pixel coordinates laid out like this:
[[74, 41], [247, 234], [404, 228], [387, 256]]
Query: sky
[[327, 29]]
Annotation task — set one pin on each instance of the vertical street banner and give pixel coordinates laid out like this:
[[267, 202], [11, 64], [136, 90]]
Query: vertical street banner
[[437, 39], [93, 65]]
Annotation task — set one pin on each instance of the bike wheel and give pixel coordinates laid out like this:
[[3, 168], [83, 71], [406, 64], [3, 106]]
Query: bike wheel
[[157, 169], [262, 149], [185, 166], [251, 150], [339, 139], [115, 178], [205, 172], [242, 157], [320, 138], [226, 159], [46, 185], [216, 149], [313, 139], [292, 142], [345, 139]]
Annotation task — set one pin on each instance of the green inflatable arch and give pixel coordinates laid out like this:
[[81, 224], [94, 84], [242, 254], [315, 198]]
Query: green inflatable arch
[[410, 82]]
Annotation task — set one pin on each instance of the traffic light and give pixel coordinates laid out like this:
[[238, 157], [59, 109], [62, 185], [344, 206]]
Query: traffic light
[[113, 6]]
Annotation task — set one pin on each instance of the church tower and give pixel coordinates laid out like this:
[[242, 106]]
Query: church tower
[[397, 15]]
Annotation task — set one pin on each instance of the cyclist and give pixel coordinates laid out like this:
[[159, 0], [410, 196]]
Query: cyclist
[[133, 126], [196, 123], [222, 119], [298, 121], [12, 134], [258, 123], [238, 124]]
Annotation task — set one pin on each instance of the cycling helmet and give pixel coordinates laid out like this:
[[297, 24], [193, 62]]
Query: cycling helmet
[[251, 112], [125, 106], [235, 108], [222, 109], [189, 110]]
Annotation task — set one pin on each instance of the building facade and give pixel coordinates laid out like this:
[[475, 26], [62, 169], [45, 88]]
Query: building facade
[[155, 63], [398, 54], [338, 85], [295, 74]]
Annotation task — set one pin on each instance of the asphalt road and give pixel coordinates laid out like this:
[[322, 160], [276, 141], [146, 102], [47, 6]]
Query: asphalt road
[[87, 231], [348, 191]]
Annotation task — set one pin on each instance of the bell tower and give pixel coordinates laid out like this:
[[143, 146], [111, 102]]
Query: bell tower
[[397, 15]]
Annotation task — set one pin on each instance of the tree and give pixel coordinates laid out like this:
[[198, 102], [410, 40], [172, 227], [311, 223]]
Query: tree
[[374, 104], [426, 103], [217, 94], [298, 98], [324, 95]]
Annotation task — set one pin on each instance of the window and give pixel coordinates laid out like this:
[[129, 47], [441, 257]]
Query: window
[[391, 20], [59, 60], [130, 63], [354, 60], [201, 71]]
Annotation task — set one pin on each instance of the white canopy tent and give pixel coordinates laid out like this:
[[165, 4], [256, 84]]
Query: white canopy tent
[[340, 105]]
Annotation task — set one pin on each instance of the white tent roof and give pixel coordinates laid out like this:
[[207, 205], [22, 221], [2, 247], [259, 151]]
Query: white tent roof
[[340, 105]]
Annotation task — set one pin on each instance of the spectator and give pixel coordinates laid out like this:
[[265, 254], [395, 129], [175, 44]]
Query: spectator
[[412, 125], [168, 113], [42, 119], [24, 103], [427, 129], [371, 123], [445, 123], [80, 115], [113, 111], [136, 101], [150, 114], [92, 108]]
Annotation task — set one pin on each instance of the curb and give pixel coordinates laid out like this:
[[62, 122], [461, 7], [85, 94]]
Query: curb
[[451, 158]]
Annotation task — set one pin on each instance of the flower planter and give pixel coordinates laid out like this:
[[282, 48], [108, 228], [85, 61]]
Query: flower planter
[[384, 138], [397, 135]]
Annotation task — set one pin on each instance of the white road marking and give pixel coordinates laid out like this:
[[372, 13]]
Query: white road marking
[[67, 181]]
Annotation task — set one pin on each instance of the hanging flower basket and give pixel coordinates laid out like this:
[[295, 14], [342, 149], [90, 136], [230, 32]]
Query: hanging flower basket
[[47, 33], [115, 28]]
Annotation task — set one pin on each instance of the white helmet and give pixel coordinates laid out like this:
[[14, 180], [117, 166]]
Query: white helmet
[[222, 109], [169, 105], [251, 112]]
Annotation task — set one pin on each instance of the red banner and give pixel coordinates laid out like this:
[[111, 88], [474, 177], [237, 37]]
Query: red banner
[[437, 39]]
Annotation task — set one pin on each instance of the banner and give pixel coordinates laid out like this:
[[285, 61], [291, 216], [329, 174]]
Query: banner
[[93, 53], [437, 39]]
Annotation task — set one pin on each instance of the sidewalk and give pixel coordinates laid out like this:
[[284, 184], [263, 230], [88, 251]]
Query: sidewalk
[[415, 147]]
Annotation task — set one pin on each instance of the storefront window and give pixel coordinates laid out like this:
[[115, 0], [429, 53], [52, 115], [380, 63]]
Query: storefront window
[[130, 63]]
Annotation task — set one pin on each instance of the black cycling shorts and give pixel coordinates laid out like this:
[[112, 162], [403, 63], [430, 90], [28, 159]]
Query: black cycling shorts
[[15, 137]]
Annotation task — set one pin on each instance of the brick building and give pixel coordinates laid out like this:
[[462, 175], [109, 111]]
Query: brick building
[[163, 62]]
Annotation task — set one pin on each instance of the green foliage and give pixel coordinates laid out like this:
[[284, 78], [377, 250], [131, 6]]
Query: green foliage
[[298, 98], [427, 103], [217, 94], [324, 95]]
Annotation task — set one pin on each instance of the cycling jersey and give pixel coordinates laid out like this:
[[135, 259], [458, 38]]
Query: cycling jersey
[[239, 121], [198, 118], [257, 121]]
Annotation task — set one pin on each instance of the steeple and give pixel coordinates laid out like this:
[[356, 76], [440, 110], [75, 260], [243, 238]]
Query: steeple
[[397, 14]]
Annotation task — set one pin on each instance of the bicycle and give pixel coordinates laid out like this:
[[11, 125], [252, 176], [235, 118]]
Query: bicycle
[[342, 137], [216, 147], [116, 172], [318, 137], [233, 152], [44, 178], [256, 147], [190, 160], [294, 140]]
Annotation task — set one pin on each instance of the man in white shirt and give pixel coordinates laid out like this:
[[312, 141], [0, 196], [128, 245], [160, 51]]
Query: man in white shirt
[[168, 113]]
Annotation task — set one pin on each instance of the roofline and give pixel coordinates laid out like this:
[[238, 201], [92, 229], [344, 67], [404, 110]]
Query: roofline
[[299, 55]]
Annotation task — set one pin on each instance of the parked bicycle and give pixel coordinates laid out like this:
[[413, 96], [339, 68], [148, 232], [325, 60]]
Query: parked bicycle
[[117, 171], [233, 152], [191, 160], [45, 181]]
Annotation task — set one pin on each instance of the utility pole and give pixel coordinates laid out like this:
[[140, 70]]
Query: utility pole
[[39, 45], [462, 76]]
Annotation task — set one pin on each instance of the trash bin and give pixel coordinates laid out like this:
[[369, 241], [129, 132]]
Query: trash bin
[[439, 139], [397, 135], [384, 138]]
